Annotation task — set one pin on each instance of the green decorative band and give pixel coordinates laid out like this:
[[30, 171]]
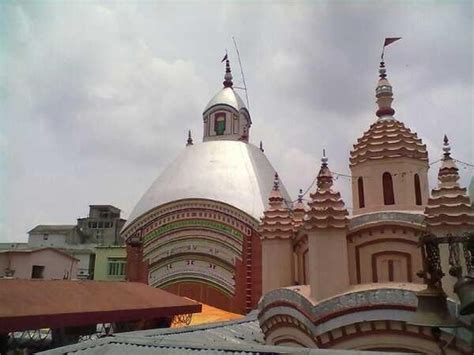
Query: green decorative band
[[189, 223]]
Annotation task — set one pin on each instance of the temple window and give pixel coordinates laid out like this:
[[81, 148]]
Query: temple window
[[219, 125], [388, 195], [417, 190], [360, 187]]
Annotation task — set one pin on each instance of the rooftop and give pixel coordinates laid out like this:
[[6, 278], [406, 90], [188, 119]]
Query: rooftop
[[75, 303], [235, 337], [48, 228]]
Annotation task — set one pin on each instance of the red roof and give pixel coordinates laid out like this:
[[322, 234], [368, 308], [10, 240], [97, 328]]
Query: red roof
[[34, 304]]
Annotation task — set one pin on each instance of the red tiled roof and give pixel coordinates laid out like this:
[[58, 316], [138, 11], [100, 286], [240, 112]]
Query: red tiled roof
[[34, 304]]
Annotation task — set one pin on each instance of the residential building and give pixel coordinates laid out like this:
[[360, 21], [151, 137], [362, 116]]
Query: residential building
[[42, 263], [110, 263]]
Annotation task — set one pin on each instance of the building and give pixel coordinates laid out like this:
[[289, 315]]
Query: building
[[101, 227], [330, 280], [110, 263], [42, 263], [194, 232], [357, 276]]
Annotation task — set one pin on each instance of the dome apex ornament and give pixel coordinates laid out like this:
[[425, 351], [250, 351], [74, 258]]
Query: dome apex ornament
[[190, 139], [276, 183], [228, 74], [300, 196], [446, 148], [383, 92], [324, 180]]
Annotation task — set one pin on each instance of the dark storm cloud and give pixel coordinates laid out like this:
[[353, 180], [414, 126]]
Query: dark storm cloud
[[99, 96]]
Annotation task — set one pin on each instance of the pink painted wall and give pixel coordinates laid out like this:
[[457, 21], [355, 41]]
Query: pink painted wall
[[56, 265]]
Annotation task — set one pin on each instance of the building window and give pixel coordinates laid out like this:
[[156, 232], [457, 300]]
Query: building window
[[116, 266], [45, 236], [417, 190], [360, 187], [388, 196], [219, 125], [37, 272]]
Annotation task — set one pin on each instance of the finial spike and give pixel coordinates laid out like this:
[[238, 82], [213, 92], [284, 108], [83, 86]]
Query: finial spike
[[228, 74], [382, 70], [446, 148], [190, 139], [261, 147], [300, 196], [324, 159], [276, 182]]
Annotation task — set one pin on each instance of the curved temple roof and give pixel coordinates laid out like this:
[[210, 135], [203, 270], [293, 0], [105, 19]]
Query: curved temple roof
[[235, 173], [227, 96]]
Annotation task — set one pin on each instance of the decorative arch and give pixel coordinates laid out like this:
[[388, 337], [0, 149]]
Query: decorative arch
[[388, 193], [205, 250]]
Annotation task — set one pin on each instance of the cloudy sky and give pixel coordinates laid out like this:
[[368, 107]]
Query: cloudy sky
[[97, 97]]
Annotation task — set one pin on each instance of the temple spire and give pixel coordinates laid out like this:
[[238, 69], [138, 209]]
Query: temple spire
[[228, 75]]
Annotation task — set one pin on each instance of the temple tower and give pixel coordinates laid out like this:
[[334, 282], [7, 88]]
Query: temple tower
[[449, 210], [389, 163], [389, 166], [276, 230], [326, 227]]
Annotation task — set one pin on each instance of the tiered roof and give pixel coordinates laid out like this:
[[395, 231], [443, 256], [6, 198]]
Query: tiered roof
[[276, 221], [387, 137], [449, 205], [327, 209]]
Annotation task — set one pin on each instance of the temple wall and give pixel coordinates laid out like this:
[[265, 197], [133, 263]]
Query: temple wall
[[384, 254], [402, 171], [328, 262], [277, 264]]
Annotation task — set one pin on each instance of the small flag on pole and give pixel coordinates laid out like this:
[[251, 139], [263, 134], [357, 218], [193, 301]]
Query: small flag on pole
[[390, 40], [225, 58]]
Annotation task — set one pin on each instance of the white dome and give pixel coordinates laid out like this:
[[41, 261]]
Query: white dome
[[232, 172], [227, 96]]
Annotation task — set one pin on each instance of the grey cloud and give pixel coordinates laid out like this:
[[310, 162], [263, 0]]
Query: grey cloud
[[99, 97]]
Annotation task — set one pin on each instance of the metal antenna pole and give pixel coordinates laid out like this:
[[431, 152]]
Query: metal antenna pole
[[241, 72]]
